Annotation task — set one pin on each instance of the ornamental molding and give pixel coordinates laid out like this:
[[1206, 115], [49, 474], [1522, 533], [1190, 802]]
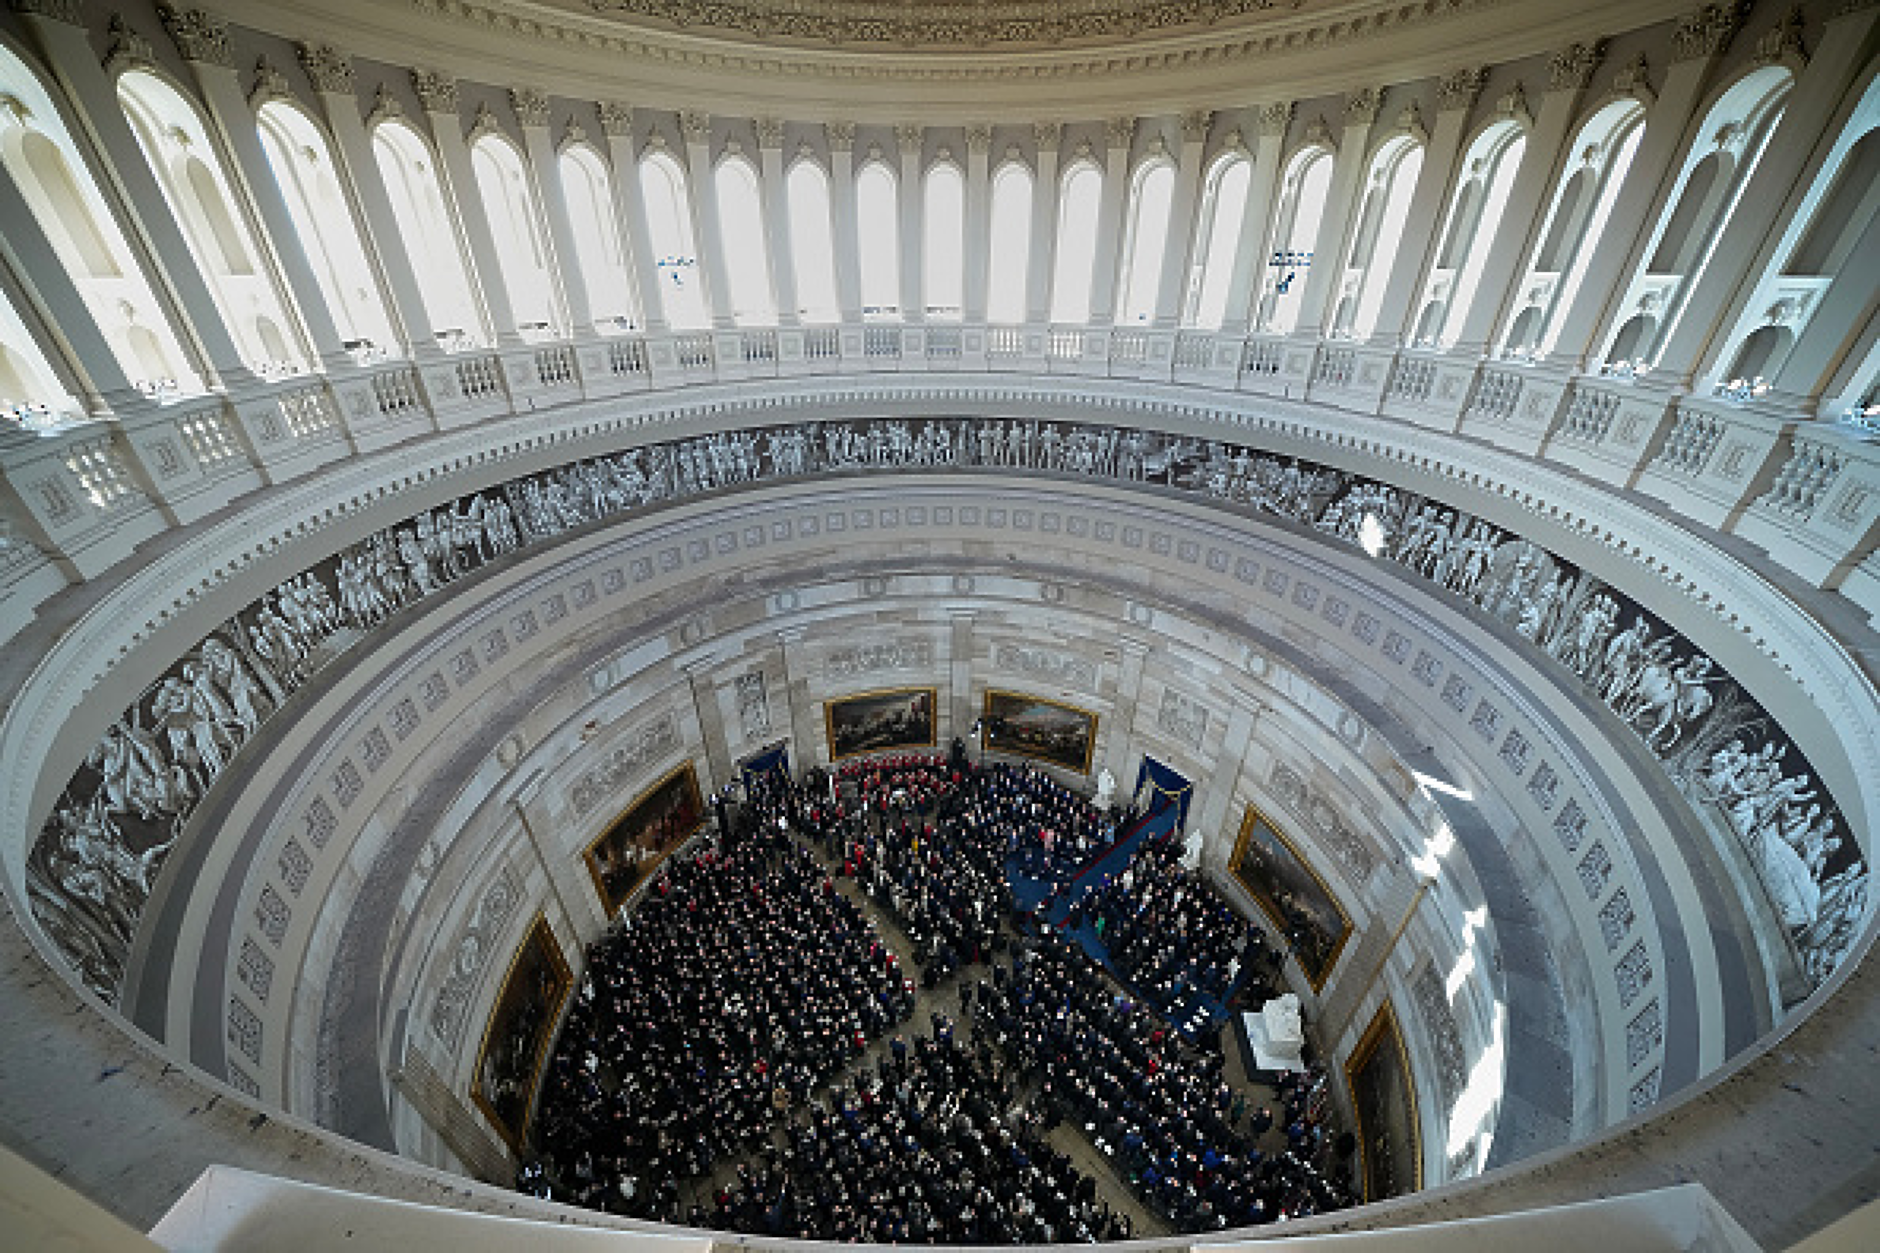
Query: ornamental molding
[[979, 137], [530, 104], [575, 135], [1635, 79], [1460, 89], [1195, 125], [198, 35], [1049, 136], [329, 69], [616, 117], [129, 49], [1410, 122], [1783, 41], [270, 84], [1276, 119], [769, 134], [483, 125], [908, 137], [695, 126], [1708, 31], [1319, 134], [1119, 132], [385, 108], [948, 23], [1514, 106], [437, 90], [1362, 106], [66, 11], [1571, 68], [841, 136]]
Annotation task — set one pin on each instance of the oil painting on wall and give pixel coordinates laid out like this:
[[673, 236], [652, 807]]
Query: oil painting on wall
[[1062, 735], [871, 722], [1294, 897], [509, 1064], [644, 836], [1384, 1097]]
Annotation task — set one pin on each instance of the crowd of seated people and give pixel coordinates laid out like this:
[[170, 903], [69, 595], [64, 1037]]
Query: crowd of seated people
[[725, 1018], [741, 982], [933, 1147], [1166, 928], [1162, 1111]]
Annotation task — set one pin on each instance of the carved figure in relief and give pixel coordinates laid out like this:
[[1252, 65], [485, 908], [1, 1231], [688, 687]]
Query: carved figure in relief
[[1578, 648], [1537, 615], [246, 700], [136, 778], [1623, 656]]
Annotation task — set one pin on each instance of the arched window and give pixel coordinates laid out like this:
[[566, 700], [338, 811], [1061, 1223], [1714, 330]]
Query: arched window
[[302, 163], [38, 151], [181, 155], [943, 248], [521, 237], [1574, 224], [1080, 195], [1475, 210], [1295, 233], [1145, 242], [429, 235], [812, 243], [1375, 242], [30, 394], [1223, 212], [1715, 172], [1823, 245], [675, 252], [1009, 257], [747, 252], [879, 231], [606, 273]]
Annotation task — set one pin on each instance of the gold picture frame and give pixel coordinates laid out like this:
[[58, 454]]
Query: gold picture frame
[[1032, 726], [658, 821], [1293, 895], [1384, 1104], [520, 1029], [875, 722]]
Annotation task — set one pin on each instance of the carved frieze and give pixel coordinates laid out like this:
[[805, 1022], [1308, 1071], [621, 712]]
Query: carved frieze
[[865, 659], [1047, 665], [329, 69], [631, 758], [437, 90]]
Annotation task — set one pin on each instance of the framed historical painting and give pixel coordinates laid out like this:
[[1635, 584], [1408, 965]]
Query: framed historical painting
[[521, 1027], [1033, 727], [628, 852], [871, 722], [1384, 1098], [1292, 895]]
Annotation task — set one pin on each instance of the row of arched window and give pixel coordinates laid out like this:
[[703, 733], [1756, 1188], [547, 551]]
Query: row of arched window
[[530, 294]]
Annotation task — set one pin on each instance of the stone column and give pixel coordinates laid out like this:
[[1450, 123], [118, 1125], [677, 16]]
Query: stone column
[[1119, 738], [696, 129], [960, 670], [777, 218], [1044, 210], [82, 360], [1585, 323], [908, 139], [438, 93], [1251, 252], [630, 211], [1503, 271], [1118, 135], [1396, 314], [1178, 253], [1328, 248], [804, 722], [152, 230], [978, 244], [531, 107], [331, 74], [842, 220], [573, 889], [1213, 813], [203, 41], [1785, 165], [699, 674]]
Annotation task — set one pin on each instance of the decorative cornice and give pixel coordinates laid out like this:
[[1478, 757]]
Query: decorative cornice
[[695, 126], [530, 104], [1572, 67], [1708, 31], [769, 134], [1783, 41], [437, 90], [198, 35], [1362, 106], [129, 49], [1195, 125], [962, 26], [329, 69], [1118, 132], [616, 117], [1460, 89], [908, 137], [979, 137], [1276, 119], [66, 11], [841, 136]]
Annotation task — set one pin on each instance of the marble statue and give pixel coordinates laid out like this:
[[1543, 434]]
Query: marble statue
[[1106, 788], [1285, 1029]]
